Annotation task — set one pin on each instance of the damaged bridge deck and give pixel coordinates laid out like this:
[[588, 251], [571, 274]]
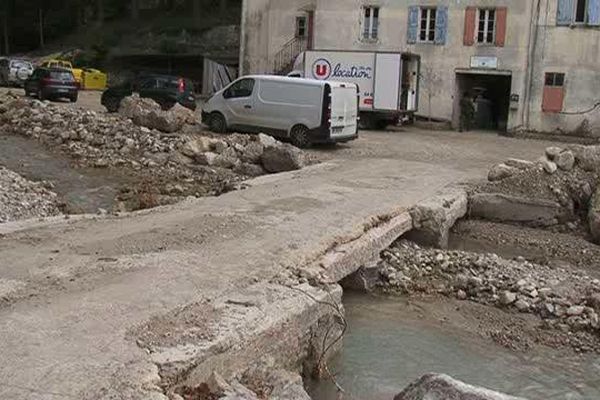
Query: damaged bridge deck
[[94, 309]]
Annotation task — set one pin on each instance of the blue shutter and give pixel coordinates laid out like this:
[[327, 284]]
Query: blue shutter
[[441, 25], [594, 12], [564, 14], [413, 24]]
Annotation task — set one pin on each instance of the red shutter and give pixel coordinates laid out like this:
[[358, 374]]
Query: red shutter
[[470, 16], [501, 26], [552, 101]]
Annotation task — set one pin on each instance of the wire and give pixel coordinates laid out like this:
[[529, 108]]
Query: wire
[[595, 106]]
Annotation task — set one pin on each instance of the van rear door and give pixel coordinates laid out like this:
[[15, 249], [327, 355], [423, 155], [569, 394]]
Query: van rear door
[[344, 110]]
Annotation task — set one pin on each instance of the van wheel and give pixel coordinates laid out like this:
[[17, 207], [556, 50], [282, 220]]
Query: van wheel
[[217, 123], [299, 136]]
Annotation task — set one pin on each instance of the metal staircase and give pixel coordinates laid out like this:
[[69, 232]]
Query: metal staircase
[[285, 58]]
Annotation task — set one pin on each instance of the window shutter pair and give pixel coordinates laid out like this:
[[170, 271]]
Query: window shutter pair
[[441, 25], [566, 10], [471, 25]]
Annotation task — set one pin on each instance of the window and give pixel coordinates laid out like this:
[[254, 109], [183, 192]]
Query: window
[[148, 83], [241, 88], [580, 11], [301, 27], [427, 21], [486, 29], [554, 92], [555, 79], [370, 23]]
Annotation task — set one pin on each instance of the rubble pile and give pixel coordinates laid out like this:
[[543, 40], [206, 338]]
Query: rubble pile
[[564, 298], [189, 162], [147, 113], [563, 175], [24, 199], [555, 190]]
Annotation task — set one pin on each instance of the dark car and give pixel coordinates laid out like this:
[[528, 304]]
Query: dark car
[[52, 83], [166, 90]]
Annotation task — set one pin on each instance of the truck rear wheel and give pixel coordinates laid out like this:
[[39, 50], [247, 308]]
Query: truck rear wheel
[[299, 136]]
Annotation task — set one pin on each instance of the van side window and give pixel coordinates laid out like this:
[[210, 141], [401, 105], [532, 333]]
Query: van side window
[[242, 88]]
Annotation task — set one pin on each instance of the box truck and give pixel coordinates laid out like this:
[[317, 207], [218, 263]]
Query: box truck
[[388, 82]]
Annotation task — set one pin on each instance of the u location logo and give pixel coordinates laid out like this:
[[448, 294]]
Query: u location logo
[[321, 69]]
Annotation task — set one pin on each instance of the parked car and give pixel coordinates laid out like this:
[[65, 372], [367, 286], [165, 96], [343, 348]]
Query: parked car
[[77, 72], [166, 90], [52, 83], [305, 111], [14, 71]]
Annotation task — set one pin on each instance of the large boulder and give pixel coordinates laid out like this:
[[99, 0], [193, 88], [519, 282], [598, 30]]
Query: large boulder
[[594, 216], [138, 109], [444, 387], [587, 157], [565, 160], [519, 164], [501, 171], [147, 113], [282, 157]]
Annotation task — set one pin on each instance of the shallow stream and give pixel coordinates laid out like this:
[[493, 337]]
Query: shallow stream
[[85, 190], [387, 346]]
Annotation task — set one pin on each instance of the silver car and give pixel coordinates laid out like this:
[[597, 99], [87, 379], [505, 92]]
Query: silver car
[[14, 71]]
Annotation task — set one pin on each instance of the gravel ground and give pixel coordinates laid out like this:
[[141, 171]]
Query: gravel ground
[[565, 300], [24, 199]]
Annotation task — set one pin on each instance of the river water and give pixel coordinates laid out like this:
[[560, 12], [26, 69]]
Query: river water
[[387, 347], [85, 190]]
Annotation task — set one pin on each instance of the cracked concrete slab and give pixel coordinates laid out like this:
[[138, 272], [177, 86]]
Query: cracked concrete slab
[[65, 332]]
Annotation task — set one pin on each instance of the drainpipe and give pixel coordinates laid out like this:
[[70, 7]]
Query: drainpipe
[[530, 63], [243, 38]]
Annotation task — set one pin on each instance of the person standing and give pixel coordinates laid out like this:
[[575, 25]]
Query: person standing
[[467, 112]]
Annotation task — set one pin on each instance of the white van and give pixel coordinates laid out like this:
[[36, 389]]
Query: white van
[[305, 111]]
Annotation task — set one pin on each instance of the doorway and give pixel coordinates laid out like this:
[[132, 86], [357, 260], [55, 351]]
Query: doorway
[[490, 94]]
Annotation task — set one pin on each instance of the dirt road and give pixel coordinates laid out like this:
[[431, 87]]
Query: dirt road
[[72, 292]]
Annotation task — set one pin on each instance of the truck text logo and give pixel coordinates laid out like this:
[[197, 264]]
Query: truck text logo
[[322, 70]]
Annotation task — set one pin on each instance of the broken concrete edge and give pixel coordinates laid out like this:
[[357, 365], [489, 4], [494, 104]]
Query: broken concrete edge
[[282, 327], [433, 218], [506, 208], [306, 171]]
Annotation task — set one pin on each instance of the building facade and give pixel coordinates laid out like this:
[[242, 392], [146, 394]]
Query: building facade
[[530, 65]]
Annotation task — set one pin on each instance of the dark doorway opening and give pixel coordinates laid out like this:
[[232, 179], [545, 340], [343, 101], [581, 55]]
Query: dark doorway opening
[[490, 94]]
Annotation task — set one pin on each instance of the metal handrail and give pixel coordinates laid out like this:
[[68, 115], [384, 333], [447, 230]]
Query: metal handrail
[[285, 58]]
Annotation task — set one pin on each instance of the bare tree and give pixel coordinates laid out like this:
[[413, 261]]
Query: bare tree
[[41, 22], [135, 10], [432, 82], [100, 12], [5, 28]]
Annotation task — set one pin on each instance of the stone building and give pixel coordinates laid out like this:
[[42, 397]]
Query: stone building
[[528, 64]]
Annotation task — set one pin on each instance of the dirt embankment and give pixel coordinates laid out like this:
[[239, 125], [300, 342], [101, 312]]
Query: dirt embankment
[[167, 154]]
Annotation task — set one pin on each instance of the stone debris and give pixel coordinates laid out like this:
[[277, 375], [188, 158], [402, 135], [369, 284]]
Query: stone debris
[[501, 171], [593, 216], [199, 163], [443, 387], [23, 199], [563, 298]]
